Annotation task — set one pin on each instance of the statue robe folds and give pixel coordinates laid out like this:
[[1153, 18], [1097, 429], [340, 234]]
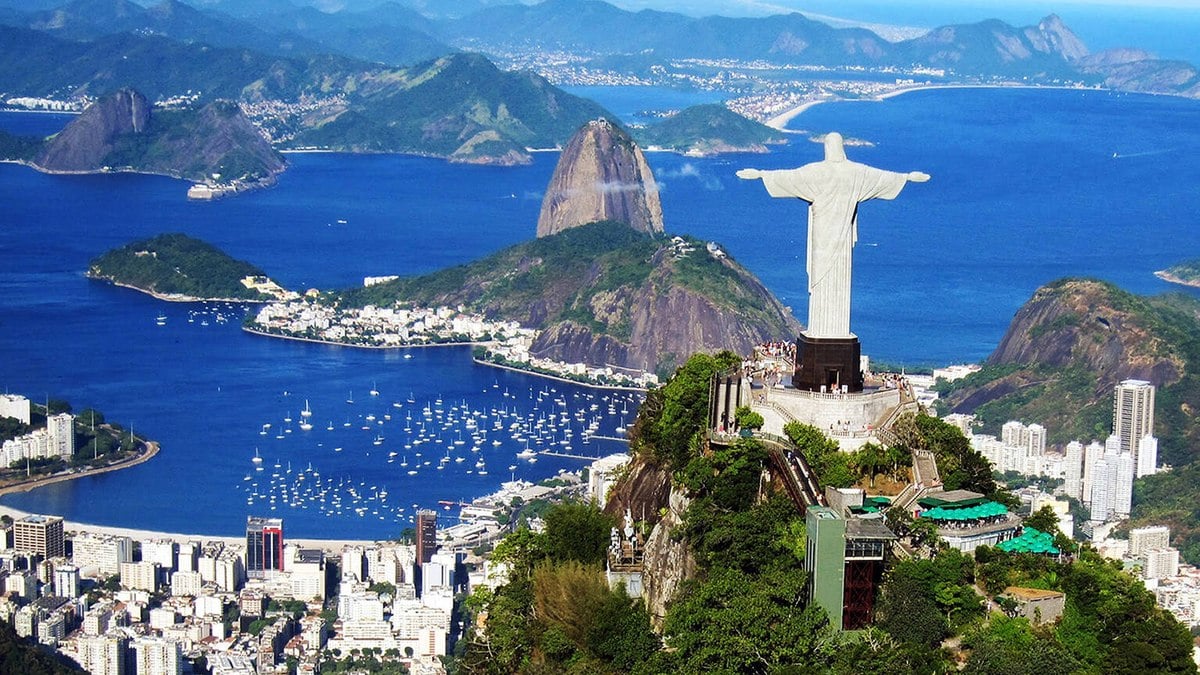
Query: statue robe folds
[[833, 190]]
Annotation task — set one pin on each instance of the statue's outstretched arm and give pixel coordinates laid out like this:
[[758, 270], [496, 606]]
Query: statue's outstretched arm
[[918, 176], [749, 174]]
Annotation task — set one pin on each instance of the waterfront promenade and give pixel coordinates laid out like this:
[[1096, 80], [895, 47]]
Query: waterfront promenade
[[25, 486]]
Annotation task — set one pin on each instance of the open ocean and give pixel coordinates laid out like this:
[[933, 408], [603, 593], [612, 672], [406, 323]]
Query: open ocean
[[1028, 186]]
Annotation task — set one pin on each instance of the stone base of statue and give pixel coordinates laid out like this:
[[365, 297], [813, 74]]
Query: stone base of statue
[[828, 364]]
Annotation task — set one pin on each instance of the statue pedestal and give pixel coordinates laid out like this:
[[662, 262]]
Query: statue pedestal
[[828, 363]]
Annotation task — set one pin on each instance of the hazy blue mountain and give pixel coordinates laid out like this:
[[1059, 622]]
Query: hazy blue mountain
[[994, 47], [91, 19], [388, 33], [593, 26], [461, 107], [437, 9], [157, 67]]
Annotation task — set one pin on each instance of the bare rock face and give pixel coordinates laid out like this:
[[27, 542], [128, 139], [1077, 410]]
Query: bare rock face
[[86, 141], [1053, 36], [601, 175], [668, 563]]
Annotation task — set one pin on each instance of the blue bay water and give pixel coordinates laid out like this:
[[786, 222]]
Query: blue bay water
[[1025, 189]]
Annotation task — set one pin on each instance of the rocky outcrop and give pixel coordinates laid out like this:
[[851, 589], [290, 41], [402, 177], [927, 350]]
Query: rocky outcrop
[[669, 561], [605, 295], [120, 133], [1139, 71], [601, 175], [85, 143], [1089, 325], [1054, 37]]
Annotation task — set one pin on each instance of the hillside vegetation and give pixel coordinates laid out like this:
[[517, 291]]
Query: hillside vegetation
[[599, 292], [742, 602], [177, 264]]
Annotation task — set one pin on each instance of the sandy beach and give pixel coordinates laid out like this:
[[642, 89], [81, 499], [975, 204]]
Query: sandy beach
[[780, 121], [72, 526]]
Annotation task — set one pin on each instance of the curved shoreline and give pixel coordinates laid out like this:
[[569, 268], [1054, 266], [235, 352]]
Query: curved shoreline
[[319, 341], [172, 297], [481, 362], [152, 448], [514, 369], [780, 121]]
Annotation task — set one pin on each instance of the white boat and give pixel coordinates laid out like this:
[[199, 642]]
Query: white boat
[[161, 319], [256, 459], [307, 412], [374, 391], [305, 425]]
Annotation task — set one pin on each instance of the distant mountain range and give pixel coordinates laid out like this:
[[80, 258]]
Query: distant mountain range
[[406, 32], [386, 77]]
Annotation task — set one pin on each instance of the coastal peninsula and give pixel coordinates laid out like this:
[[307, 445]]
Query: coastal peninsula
[[45, 444], [1186, 273], [179, 268]]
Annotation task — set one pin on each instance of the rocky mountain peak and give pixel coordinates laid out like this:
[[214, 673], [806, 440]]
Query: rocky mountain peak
[[601, 175], [1059, 39], [86, 141]]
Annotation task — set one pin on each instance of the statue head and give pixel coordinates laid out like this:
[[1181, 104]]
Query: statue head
[[835, 151]]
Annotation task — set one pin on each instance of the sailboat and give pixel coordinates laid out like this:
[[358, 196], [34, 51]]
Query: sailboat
[[350, 398], [374, 391], [256, 459], [307, 412]]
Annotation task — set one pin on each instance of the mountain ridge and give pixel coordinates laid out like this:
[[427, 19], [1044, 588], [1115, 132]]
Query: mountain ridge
[[1070, 344]]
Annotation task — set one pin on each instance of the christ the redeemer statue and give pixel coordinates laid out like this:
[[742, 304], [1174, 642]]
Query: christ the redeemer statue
[[833, 189], [827, 353]]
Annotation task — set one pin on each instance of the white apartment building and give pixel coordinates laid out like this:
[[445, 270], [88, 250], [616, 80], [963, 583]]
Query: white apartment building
[[16, 407], [1142, 539], [104, 553], [1160, 563]]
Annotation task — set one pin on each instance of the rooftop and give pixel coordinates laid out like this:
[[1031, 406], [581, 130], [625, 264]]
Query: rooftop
[[952, 498], [868, 528]]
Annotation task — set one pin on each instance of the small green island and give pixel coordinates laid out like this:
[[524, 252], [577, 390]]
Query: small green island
[[179, 268], [708, 129], [1185, 273]]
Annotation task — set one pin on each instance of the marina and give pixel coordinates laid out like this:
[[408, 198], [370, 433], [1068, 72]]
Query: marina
[[457, 438]]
